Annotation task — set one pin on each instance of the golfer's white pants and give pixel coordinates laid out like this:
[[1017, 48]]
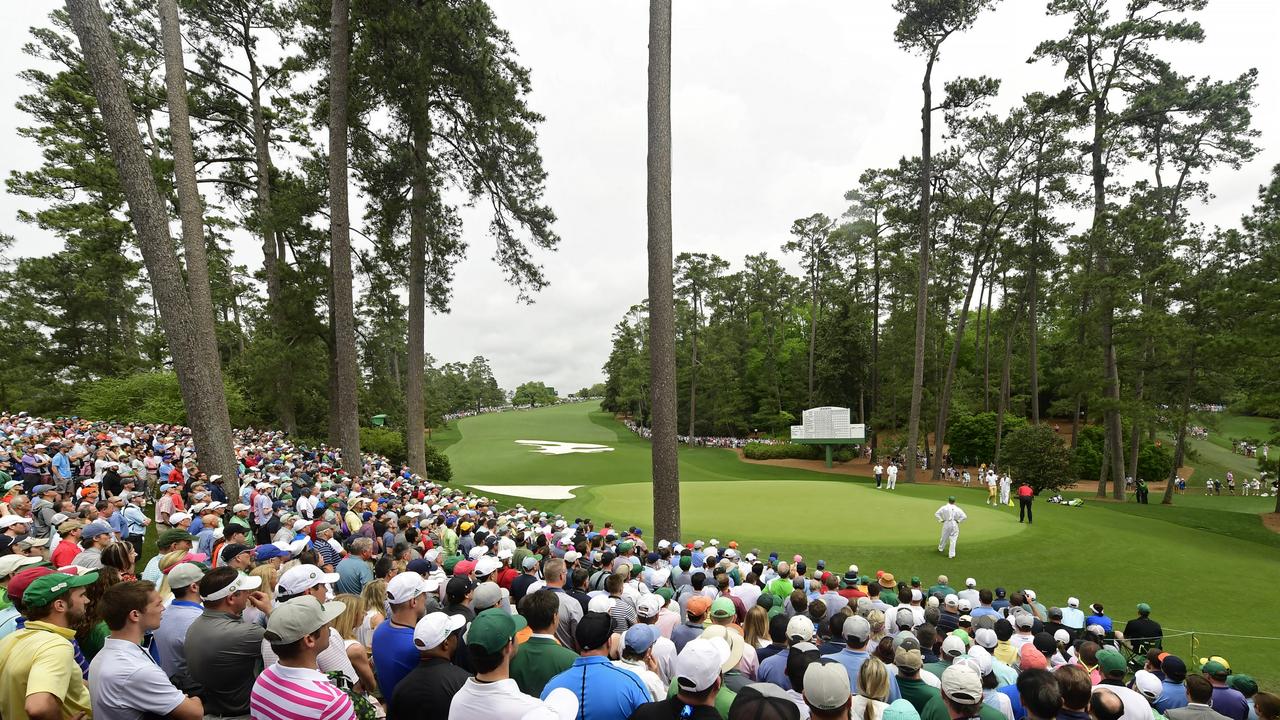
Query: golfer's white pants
[[893, 482], [952, 531]]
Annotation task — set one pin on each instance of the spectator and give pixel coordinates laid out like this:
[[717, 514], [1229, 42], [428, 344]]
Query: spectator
[[1226, 700], [427, 692], [697, 685], [827, 691], [604, 691], [224, 653], [1173, 693], [541, 657], [354, 571], [492, 694], [292, 688], [1039, 695], [1143, 633], [123, 679], [1199, 702], [857, 633], [394, 652], [39, 676]]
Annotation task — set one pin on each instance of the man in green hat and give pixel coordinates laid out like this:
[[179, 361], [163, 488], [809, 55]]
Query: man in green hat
[[950, 515], [492, 694], [39, 676], [1142, 633]]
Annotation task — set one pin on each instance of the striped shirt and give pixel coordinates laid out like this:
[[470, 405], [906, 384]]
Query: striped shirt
[[289, 693]]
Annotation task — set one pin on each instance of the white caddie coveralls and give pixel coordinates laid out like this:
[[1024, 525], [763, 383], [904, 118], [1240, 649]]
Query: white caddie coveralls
[[950, 516]]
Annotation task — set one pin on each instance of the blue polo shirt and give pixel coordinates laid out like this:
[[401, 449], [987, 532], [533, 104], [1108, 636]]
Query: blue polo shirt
[[604, 690], [852, 661], [1172, 695], [394, 655]]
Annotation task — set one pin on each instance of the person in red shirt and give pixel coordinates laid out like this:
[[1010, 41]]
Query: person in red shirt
[[849, 586], [69, 547], [1025, 497]]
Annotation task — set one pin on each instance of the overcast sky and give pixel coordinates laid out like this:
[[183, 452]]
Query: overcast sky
[[777, 107]]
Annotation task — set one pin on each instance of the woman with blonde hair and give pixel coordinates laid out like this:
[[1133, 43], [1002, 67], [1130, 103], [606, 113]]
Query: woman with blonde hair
[[348, 624], [374, 597], [872, 692], [876, 618], [169, 561], [756, 628]]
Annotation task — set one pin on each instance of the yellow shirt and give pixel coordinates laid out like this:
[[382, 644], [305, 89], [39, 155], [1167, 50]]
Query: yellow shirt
[[1005, 653], [36, 659]]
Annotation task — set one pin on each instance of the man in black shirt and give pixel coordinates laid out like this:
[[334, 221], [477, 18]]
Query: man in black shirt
[[520, 585], [426, 692], [1143, 633]]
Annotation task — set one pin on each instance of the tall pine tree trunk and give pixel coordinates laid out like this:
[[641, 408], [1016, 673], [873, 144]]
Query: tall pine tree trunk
[[1107, 310], [1184, 414], [1033, 280], [662, 326], [813, 323], [346, 415], [693, 370], [922, 288], [875, 344], [189, 335], [415, 440], [944, 401]]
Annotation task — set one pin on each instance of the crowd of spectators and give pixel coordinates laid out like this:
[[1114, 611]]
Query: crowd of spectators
[[300, 589]]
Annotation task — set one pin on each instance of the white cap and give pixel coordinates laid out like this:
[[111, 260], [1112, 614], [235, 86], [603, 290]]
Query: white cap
[[952, 646], [951, 600], [434, 628], [486, 565], [857, 627], [970, 582], [986, 637], [1073, 602], [650, 605], [9, 521], [405, 587], [1145, 682], [800, 627], [241, 582], [826, 686], [962, 684], [505, 553], [572, 557], [964, 605], [1062, 636], [178, 517], [239, 507], [601, 603], [476, 552], [299, 524], [1031, 595], [664, 544], [698, 664], [301, 578]]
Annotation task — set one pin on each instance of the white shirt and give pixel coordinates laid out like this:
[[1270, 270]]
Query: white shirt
[[893, 471], [747, 593], [306, 507], [878, 469], [501, 700], [124, 683], [657, 690], [950, 514], [664, 652]]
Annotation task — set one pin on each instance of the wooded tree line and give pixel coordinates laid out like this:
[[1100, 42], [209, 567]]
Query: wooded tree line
[[962, 279], [235, 117]]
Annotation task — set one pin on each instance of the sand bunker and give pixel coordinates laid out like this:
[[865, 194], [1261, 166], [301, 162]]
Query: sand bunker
[[533, 492], [552, 447]]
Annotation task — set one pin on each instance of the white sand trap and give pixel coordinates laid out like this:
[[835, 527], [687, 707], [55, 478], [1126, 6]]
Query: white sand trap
[[533, 492], [552, 447]]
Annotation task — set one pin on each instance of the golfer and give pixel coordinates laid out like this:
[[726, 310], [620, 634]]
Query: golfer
[[991, 487], [950, 515]]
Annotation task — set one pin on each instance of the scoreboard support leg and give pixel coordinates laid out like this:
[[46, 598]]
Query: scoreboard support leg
[[828, 447]]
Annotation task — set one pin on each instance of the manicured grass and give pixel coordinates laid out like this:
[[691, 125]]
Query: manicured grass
[[444, 436], [1214, 456], [1118, 554]]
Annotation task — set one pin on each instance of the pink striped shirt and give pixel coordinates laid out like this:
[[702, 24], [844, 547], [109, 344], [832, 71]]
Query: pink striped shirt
[[288, 693]]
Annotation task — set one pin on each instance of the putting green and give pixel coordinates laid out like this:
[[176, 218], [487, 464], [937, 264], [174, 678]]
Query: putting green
[[762, 513], [1206, 564]]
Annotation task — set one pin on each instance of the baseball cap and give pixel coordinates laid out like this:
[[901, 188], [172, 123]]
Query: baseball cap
[[494, 628], [301, 578], [233, 550], [238, 584], [970, 582], [10, 564], [856, 627], [487, 565], [1148, 684], [639, 638], [1243, 683], [9, 521], [1144, 608], [1111, 661], [986, 637], [953, 646], [1213, 666], [951, 600], [698, 605], [1174, 668], [905, 618], [262, 553], [184, 574], [459, 586], [909, 659], [800, 628], [1073, 602], [594, 630], [486, 595], [94, 529], [650, 605], [962, 684], [698, 664], [722, 607], [46, 588], [1024, 621], [169, 537], [826, 685], [18, 585], [297, 618], [434, 628]]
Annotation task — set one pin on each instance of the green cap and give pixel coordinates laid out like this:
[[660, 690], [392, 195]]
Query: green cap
[[1245, 684], [169, 537], [494, 628], [915, 579], [951, 498], [451, 562], [666, 593], [1110, 661], [1213, 667], [963, 636], [686, 562], [722, 607], [625, 545], [635, 569], [45, 589], [765, 601], [1144, 608]]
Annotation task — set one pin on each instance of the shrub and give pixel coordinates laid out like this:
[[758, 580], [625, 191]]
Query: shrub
[[438, 468], [795, 451], [972, 437], [1036, 455], [149, 397], [383, 441]]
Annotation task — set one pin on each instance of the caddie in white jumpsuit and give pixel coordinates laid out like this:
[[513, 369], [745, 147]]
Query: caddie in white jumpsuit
[[1006, 483], [950, 515]]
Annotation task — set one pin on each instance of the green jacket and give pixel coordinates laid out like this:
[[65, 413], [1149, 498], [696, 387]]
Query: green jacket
[[537, 661], [943, 590], [936, 709], [916, 691]]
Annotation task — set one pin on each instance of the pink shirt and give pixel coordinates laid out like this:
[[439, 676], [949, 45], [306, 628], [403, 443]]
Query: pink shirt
[[288, 693]]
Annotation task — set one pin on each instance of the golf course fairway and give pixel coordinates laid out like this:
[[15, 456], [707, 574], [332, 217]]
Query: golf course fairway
[[1175, 558]]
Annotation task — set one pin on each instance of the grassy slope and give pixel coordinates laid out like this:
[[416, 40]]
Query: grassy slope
[[1118, 554], [1214, 456]]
